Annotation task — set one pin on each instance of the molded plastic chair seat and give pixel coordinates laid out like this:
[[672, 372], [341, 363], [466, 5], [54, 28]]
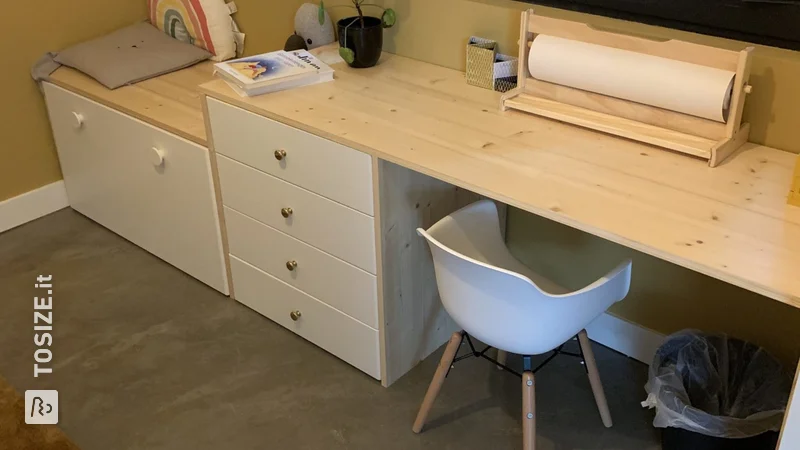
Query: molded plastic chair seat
[[497, 299]]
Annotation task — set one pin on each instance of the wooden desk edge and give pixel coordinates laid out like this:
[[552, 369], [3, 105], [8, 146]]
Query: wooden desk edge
[[543, 212]]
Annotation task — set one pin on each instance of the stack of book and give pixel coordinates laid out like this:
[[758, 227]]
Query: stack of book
[[271, 72]]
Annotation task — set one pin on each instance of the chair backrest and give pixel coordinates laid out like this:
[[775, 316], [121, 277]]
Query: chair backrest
[[501, 307]]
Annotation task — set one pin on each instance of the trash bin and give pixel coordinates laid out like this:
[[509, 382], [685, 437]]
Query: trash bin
[[713, 392]]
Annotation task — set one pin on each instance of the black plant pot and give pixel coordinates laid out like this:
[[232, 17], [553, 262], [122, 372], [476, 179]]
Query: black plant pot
[[366, 42]]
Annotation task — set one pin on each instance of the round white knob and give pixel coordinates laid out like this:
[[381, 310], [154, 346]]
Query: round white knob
[[157, 156], [78, 120]]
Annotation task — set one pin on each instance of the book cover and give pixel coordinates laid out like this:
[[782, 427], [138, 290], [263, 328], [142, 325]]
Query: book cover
[[312, 61], [259, 69], [256, 91], [317, 72]]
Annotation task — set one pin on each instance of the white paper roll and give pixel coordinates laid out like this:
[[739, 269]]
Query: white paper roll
[[674, 85]]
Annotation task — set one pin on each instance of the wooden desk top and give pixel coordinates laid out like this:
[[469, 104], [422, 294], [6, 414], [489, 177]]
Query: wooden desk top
[[730, 222], [171, 102]]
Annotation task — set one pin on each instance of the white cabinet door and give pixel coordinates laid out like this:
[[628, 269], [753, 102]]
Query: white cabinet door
[[150, 187]]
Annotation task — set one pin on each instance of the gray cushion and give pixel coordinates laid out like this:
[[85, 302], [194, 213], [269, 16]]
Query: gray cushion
[[131, 54]]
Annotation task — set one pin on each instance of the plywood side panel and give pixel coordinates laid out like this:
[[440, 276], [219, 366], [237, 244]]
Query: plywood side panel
[[218, 194], [414, 322]]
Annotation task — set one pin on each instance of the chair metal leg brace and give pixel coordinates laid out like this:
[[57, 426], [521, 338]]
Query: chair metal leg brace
[[501, 365]]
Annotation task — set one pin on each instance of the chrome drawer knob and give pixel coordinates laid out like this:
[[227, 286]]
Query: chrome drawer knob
[[291, 265], [295, 315], [286, 212], [280, 154]]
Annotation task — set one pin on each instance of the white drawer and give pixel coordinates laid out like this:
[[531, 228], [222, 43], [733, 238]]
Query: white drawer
[[319, 165], [112, 175], [326, 327], [325, 224], [329, 279]]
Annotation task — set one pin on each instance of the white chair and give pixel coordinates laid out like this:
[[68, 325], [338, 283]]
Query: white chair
[[500, 301]]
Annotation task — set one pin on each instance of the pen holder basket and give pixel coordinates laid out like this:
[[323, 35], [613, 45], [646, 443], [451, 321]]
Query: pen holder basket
[[480, 62], [488, 69]]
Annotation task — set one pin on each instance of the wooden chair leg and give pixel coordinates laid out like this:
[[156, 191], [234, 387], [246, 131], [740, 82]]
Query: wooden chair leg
[[502, 357], [438, 379], [528, 411], [594, 378]]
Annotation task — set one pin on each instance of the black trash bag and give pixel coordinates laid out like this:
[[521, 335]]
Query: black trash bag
[[717, 386]]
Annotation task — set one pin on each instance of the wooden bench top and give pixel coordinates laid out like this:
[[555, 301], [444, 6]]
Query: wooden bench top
[[731, 222], [171, 102]]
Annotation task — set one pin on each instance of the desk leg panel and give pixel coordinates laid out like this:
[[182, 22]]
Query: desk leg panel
[[413, 321]]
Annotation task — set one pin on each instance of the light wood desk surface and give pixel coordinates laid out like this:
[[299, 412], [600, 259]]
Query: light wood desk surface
[[171, 102], [730, 222]]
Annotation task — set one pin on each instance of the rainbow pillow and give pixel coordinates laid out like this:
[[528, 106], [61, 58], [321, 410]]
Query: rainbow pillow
[[204, 23]]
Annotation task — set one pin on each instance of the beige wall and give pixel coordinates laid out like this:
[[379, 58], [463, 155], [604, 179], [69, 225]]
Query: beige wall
[[663, 297], [269, 23], [30, 28]]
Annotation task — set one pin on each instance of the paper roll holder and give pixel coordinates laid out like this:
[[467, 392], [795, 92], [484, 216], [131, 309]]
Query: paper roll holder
[[696, 136]]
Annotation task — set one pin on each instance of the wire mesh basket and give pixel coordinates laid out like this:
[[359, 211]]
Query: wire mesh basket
[[488, 69]]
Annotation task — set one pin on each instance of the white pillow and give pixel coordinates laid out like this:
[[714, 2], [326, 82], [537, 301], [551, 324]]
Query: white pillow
[[204, 23]]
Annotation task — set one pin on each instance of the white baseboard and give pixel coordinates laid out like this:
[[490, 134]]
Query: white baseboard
[[628, 338], [32, 205]]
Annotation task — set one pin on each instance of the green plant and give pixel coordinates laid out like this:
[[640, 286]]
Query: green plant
[[388, 20]]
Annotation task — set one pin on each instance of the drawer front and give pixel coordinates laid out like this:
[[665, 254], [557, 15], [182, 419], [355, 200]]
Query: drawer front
[[329, 279], [324, 326], [113, 175], [319, 165], [336, 229]]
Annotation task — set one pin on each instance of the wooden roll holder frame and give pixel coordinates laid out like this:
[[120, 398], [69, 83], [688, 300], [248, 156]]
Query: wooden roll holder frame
[[704, 138], [794, 189]]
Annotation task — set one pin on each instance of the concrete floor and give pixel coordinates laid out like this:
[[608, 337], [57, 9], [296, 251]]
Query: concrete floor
[[148, 358]]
